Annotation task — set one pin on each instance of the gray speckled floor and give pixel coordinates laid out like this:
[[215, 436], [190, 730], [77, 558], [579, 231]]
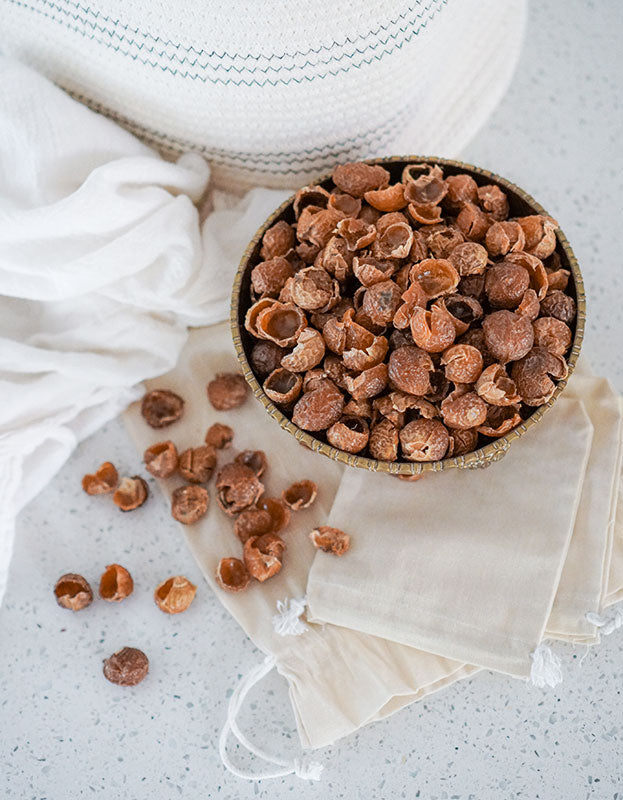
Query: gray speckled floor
[[66, 733]]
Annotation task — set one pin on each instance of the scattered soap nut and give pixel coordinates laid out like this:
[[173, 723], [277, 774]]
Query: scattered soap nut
[[175, 594], [255, 459], [232, 575], [161, 408], [300, 495], [263, 556], [278, 511], [331, 540], [228, 390], [408, 283], [219, 436], [73, 592], [252, 522], [189, 503], [116, 583], [161, 459], [131, 493], [103, 481], [196, 464], [126, 667], [237, 488]]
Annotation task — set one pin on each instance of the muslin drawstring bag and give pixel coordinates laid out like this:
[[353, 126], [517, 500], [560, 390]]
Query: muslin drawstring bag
[[583, 586], [339, 679], [463, 563]]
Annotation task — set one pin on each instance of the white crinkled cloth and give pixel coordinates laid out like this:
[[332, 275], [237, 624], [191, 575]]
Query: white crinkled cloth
[[101, 271]]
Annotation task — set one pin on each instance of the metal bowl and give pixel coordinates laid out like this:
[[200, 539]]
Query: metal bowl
[[521, 204]]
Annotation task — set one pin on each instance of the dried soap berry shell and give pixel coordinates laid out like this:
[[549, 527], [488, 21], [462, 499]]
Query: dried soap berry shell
[[175, 594], [521, 204], [75, 600]]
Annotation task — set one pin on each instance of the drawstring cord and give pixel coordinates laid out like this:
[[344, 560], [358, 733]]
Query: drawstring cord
[[301, 767]]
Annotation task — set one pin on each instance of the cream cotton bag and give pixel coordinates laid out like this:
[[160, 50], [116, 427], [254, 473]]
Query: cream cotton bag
[[464, 563]]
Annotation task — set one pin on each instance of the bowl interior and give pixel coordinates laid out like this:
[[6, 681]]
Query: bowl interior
[[521, 204]]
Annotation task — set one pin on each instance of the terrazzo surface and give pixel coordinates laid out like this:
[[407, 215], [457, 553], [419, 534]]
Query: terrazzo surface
[[67, 733]]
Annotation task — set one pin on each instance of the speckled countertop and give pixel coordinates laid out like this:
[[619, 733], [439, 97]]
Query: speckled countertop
[[66, 733]]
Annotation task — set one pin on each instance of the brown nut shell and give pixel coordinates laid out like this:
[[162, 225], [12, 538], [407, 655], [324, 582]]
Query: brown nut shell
[[231, 575], [278, 240], [368, 383], [529, 306], [473, 222], [282, 386], [469, 258], [350, 434], [535, 269], [409, 370], [462, 441], [126, 667], [384, 439], [228, 390], [131, 493], [278, 511], [394, 243], [252, 522], [269, 277], [424, 440], [500, 421], [436, 276], [508, 336], [115, 584], [263, 556], [461, 189], [356, 233], [493, 201], [504, 237], [463, 363], [532, 375], [463, 411], [256, 459], [319, 409], [330, 540], [73, 592], [381, 301], [390, 199], [175, 594], [309, 351], [219, 436], [237, 488], [281, 323], [300, 494], [357, 178], [196, 464], [552, 334], [496, 388], [558, 305], [161, 408], [506, 284], [189, 503], [433, 330], [103, 481], [265, 357], [440, 239], [161, 459]]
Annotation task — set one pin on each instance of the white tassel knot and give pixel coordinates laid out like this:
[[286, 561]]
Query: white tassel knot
[[287, 621]]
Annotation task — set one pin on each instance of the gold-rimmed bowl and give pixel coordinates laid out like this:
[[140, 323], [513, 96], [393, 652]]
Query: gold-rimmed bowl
[[521, 204]]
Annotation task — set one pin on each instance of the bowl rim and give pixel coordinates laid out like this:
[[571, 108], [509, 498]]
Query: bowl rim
[[493, 451]]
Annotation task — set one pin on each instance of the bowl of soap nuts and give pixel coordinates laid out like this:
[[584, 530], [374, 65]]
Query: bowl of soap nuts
[[408, 314]]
